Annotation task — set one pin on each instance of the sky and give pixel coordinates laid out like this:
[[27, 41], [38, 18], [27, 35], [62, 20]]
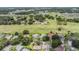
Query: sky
[[39, 3]]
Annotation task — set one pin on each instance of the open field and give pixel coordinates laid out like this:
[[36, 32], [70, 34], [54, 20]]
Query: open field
[[40, 28]]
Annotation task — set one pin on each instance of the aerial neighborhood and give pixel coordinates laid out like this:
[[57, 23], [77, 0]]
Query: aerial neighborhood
[[39, 29]]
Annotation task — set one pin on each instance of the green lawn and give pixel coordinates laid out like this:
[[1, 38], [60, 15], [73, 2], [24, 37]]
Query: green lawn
[[52, 26]]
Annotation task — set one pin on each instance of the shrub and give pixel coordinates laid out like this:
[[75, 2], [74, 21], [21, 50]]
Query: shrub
[[59, 28], [59, 23], [25, 32], [65, 23]]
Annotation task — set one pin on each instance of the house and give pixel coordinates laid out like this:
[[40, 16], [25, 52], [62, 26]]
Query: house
[[61, 38], [25, 49], [19, 47], [26, 35], [7, 48], [37, 47], [37, 22], [2, 35], [69, 43], [74, 49], [8, 36], [43, 35], [46, 46], [15, 36], [50, 34], [60, 48], [36, 36], [44, 23]]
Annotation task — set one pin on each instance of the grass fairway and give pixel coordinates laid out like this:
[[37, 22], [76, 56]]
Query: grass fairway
[[52, 26]]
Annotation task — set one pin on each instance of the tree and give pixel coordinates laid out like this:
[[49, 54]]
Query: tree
[[16, 33], [3, 42], [1, 46], [60, 28], [61, 21], [75, 43], [30, 21], [31, 16], [45, 38], [55, 37], [49, 16], [25, 41], [15, 41], [39, 18], [56, 43]]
